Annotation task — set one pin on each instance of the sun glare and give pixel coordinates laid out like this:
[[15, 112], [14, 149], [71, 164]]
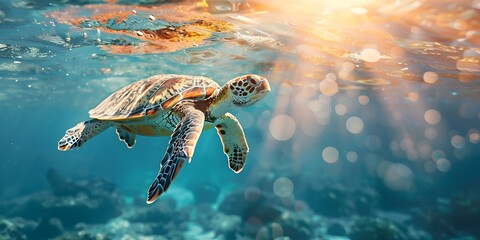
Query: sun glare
[[311, 6], [352, 70]]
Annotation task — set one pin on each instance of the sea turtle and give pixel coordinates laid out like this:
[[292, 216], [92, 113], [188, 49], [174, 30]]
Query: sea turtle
[[177, 105]]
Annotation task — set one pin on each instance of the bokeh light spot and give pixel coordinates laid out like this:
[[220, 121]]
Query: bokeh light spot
[[473, 136], [457, 141], [282, 127], [370, 55], [314, 105], [399, 177], [273, 230], [432, 116], [354, 125], [340, 109], [430, 77], [424, 148], [330, 154], [431, 133], [283, 187], [443, 165], [352, 156], [328, 87], [437, 154], [363, 99], [348, 66], [413, 96]]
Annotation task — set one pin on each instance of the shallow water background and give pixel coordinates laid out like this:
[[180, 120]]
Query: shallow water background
[[372, 122]]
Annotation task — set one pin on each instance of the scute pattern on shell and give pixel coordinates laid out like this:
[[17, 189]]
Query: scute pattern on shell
[[141, 97]]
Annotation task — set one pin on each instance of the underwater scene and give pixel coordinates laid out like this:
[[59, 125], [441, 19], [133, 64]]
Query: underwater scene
[[361, 119]]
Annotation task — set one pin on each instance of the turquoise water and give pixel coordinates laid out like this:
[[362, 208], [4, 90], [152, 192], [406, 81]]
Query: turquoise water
[[371, 129]]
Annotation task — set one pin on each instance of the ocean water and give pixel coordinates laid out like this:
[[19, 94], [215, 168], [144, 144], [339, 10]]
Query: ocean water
[[371, 130]]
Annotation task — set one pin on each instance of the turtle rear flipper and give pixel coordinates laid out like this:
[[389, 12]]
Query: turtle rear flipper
[[180, 149], [128, 138], [78, 135]]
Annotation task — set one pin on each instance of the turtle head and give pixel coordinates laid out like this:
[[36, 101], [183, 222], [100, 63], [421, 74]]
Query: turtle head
[[239, 92], [247, 90]]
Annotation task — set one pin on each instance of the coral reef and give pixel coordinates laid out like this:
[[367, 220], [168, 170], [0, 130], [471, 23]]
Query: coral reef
[[337, 200], [375, 229], [92, 209], [48, 214]]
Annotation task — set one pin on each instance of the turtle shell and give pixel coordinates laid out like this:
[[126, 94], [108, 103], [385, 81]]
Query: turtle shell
[[152, 95]]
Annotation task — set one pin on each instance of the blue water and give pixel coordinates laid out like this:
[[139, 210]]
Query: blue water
[[371, 129]]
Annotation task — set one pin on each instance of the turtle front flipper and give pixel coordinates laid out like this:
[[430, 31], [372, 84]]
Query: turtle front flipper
[[180, 148], [128, 138], [233, 139], [82, 132]]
